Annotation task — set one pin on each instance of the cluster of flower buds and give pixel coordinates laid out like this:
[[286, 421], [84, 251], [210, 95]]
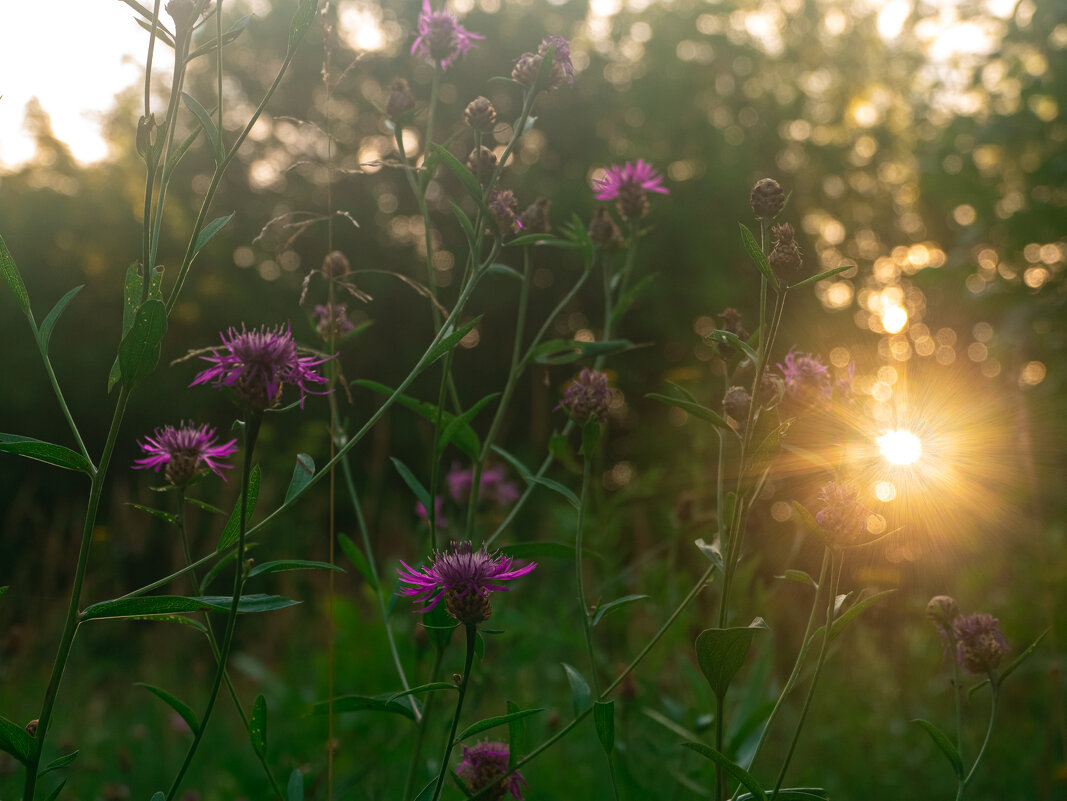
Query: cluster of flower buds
[[588, 397], [977, 639]]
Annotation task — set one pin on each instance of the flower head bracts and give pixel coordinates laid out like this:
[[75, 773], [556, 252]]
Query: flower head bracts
[[486, 764], [528, 65], [441, 38], [980, 644], [588, 397], [257, 364], [184, 451], [462, 575]]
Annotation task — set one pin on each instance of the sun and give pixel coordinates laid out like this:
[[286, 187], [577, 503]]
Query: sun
[[900, 447]]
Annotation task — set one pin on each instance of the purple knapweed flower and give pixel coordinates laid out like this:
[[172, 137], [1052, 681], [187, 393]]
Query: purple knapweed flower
[[462, 576], [980, 644], [184, 451], [257, 364], [629, 186], [843, 517], [441, 38], [438, 511], [332, 320], [588, 397], [528, 65], [494, 485], [485, 764], [807, 379]]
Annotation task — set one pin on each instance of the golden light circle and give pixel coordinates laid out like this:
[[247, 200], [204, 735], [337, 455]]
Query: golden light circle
[[894, 318], [900, 447]]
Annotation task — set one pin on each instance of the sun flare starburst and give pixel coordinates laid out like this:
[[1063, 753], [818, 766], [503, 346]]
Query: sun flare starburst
[[900, 447]]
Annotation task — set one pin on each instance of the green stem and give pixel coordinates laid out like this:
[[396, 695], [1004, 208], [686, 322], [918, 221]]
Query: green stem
[[835, 579], [59, 393], [251, 433], [957, 690], [583, 601], [994, 684], [720, 773], [420, 738], [70, 625], [472, 638]]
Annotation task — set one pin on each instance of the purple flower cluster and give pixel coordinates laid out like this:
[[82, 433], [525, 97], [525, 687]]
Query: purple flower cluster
[[494, 487], [588, 397], [257, 364], [629, 186], [807, 379], [485, 764], [184, 451], [462, 576], [332, 319], [441, 38], [980, 644], [843, 517], [528, 65]]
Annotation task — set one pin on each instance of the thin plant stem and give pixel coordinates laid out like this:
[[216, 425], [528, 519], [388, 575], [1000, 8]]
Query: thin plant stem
[[70, 625], [472, 638], [59, 393], [835, 579], [583, 601], [994, 684], [720, 773], [251, 433], [957, 690], [420, 738]]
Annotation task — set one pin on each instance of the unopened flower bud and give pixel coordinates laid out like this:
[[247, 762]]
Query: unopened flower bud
[[480, 115], [767, 198], [31, 728], [400, 100], [482, 162], [785, 257], [943, 610], [183, 12], [502, 206], [526, 69], [603, 230], [730, 320], [535, 219], [457, 679], [771, 390], [588, 397], [146, 134], [335, 265], [736, 402], [980, 644]]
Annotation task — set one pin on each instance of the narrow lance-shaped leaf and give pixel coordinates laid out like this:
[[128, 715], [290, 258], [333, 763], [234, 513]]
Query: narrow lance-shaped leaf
[[257, 726], [756, 253], [355, 555], [296, 786], [185, 712], [421, 493], [208, 231], [15, 740], [731, 767], [139, 351], [174, 604], [461, 422], [463, 437], [208, 125], [516, 734], [232, 532], [604, 719], [303, 472], [580, 693], [491, 723], [44, 452], [132, 292], [944, 744], [618, 603], [695, 409], [283, 565], [44, 333], [302, 20], [450, 341], [11, 274], [822, 276], [364, 703]]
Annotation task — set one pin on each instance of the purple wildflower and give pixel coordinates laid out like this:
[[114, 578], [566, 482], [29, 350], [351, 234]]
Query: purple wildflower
[[438, 511], [980, 644], [257, 364], [628, 187], [441, 38], [333, 320], [494, 485], [185, 451], [485, 764], [528, 65], [807, 379], [843, 517], [462, 576], [588, 397]]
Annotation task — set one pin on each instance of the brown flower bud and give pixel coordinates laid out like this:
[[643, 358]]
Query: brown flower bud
[[482, 162], [183, 12], [632, 202], [502, 206], [400, 101], [535, 219], [335, 265], [943, 610], [736, 402], [31, 728], [603, 230], [480, 115], [785, 257], [526, 69], [767, 198]]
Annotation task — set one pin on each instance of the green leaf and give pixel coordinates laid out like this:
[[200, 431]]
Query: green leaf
[[172, 604], [516, 735], [713, 551], [232, 532], [503, 269], [629, 297], [52, 796], [604, 718], [942, 742], [466, 177], [530, 478], [793, 794], [139, 350], [163, 34], [734, 341], [183, 709], [603, 609], [209, 231], [302, 20], [722, 652], [207, 507], [807, 522], [449, 342], [740, 774], [822, 276], [424, 688], [166, 517], [296, 786], [131, 302], [44, 452], [355, 555], [210, 131], [281, 565], [257, 726], [11, 274], [465, 223], [413, 483], [695, 409], [566, 351], [362, 703], [499, 720], [15, 740], [229, 36], [463, 437], [530, 239], [178, 153], [179, 619], [44, 333], [463, 422], [845, 618], [799, 576], [580, 693], [578, 233], [590, 437], [303, 471], [756, 253], [530, 550]]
